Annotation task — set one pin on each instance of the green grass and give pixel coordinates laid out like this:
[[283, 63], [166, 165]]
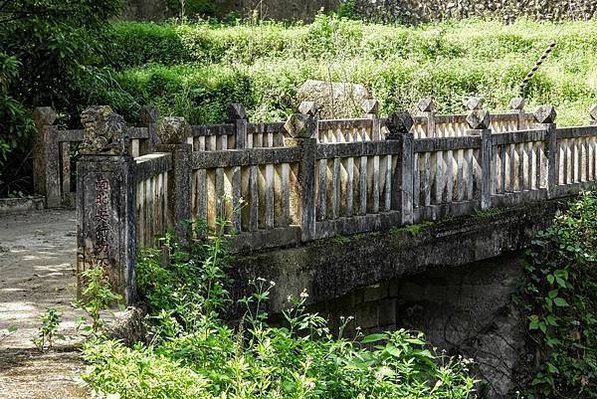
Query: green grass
[[195, 70]]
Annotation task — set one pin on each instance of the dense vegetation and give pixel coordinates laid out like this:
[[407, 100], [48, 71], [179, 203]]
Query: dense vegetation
[[68, 54], [194, 354], [561, 302], [195, 69], [51, 53]]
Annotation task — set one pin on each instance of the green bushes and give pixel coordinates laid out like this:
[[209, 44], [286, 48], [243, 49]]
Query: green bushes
[[205, 66], [50, 54], [560, 300], [16, 128], [194, 354]]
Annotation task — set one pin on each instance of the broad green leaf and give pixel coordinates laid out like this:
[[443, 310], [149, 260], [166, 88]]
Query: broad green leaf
[[560, 302], [374, 338]]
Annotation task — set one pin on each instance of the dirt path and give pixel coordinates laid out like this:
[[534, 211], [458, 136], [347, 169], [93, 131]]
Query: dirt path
[[37, 254]]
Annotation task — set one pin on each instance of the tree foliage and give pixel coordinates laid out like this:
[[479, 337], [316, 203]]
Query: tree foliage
[[561, 303], [50, 54]]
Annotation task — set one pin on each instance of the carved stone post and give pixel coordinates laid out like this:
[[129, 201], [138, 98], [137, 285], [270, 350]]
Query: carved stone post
[[106, 201], [517, 107], [46, 158], [399, 125], [149, 118], [593, 113], [545, 117], [238, 116], [301, 132], [371, 108], [173, 133], [426, 107], [478, 121]]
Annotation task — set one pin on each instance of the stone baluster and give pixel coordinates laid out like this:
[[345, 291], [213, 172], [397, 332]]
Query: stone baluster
[[301, 130], [106, 201], [399, 125], [545, 117], [371, 109], [517, 107], [173, 133], [478, 121], [238, 116], [46, 157], [426, 107]]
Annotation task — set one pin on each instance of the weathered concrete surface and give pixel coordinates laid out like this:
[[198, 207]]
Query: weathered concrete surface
[[18, 205], [467, 310], [330, 268]]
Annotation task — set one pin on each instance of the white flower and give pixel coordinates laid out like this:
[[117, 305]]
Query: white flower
[[304, 294]]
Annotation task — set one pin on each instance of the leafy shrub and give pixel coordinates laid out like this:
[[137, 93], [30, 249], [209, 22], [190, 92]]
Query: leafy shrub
[[195, 354], [48, 332], [208, 65], [96, 295], [561, 298], [16, 127]]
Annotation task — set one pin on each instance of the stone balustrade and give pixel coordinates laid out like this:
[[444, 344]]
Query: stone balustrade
[[283, 184]]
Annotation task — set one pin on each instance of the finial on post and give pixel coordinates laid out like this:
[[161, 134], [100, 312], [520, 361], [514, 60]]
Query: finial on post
[[478, 119], [545, 114], [106, 132], [44, 116], [236, 111], [473, 103], [517, 104], [593, 113], [399, 123], [426, 105], [309, 108], [370, 107], [174, 130], [300, 126]]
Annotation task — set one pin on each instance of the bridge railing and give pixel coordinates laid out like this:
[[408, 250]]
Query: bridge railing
[[286, 184], [56, 150]]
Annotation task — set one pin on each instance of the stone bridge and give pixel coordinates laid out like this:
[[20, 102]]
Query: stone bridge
[[326, 205]]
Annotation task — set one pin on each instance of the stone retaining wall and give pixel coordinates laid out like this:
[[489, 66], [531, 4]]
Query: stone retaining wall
[[413, 11], [409, 11]]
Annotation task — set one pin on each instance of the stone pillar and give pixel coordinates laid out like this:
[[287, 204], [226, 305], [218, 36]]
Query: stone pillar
[[517, 107], [173, 132], [545, 117], [149, 119], [593, 113], [238, 116], [371, 108], [106, 201], [46, 158], [301, 132], [399, 125], [426, 107], [478, 121]]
